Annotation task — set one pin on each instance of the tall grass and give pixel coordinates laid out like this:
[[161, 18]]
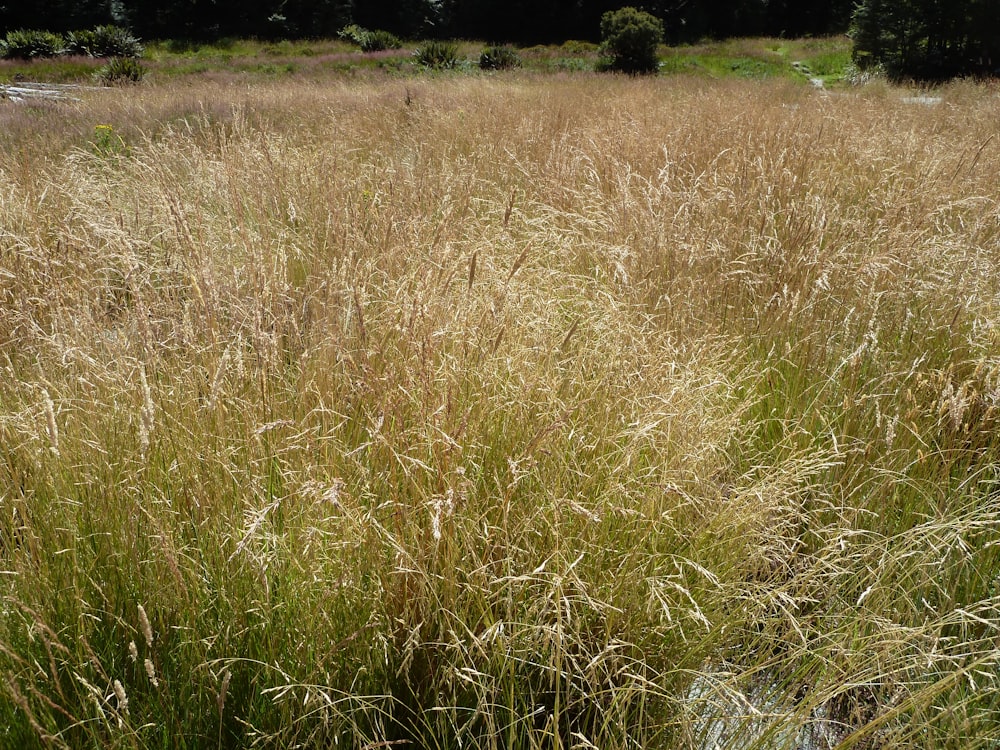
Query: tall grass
[[502, 414]]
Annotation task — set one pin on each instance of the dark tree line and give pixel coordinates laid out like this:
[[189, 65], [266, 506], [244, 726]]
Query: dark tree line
[[908, 38], [514, 21], [928, 39]]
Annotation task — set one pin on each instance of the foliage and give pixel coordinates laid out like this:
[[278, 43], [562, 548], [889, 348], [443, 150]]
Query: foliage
[[354, 34], [499, 57], [107, 142], [122, 70], [81, 42], [728, 59], [29, 44], [927, 39], [116, 41], [437, 55], [629, 41], [370, 41], [104, 41], [524, 22], [378, 40]]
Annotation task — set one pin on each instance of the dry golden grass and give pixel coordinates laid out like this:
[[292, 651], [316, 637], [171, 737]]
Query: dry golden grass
[[512, 412]]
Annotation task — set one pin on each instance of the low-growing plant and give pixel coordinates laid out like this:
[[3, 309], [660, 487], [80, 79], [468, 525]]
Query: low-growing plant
[[858, 76], [104, 41], [438, 55], [107, 142], [121, 70], [354, 34], [578, 47], [82, 42], [378, 40], [28, 44], [499, 57], [370, 41], [116, 41], [629, 40]]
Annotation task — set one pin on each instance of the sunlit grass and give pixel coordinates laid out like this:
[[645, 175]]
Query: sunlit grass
[[500, 411]]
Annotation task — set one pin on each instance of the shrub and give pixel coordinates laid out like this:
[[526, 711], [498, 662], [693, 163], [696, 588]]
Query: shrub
[[354, 34], [115, 41], [107, 142], [29, 44], [104, 41], [121, 70], [577, 47], [438, 55], [499, 57], [378, 40], [81, 42], [369, 41], [629, 40]]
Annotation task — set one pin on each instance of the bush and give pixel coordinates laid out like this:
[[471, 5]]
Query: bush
[[107, 142], [354, 34], [81, 42], [29, 44], [104, 41], [121, 70], [629, 40], [115, 41], [437, 55], [378, 40], [499, 57], [369, 41]]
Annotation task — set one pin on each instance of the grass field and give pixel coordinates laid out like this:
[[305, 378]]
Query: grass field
[[243, 60], [521, 411]]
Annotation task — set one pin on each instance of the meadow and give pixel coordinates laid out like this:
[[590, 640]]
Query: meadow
[[249, 60], [510, 411]]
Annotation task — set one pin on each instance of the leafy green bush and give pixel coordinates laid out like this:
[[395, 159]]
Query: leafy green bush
[[115, 41], [103, 41], [82, 42], [499, 57], [107, 142], [354, 34], [369, 41], [27, 44], [121, 70], [378, 40], [438, 55], [629, 40]]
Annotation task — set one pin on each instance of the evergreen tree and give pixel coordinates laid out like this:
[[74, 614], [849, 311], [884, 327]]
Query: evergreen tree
[[630, 37], [927, 39]]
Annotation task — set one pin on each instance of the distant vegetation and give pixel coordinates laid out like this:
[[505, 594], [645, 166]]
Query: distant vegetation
[[902, 39], [519, 22], [921, 39], [629, 40], [102, 41], [828, 59], [928, 40]]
